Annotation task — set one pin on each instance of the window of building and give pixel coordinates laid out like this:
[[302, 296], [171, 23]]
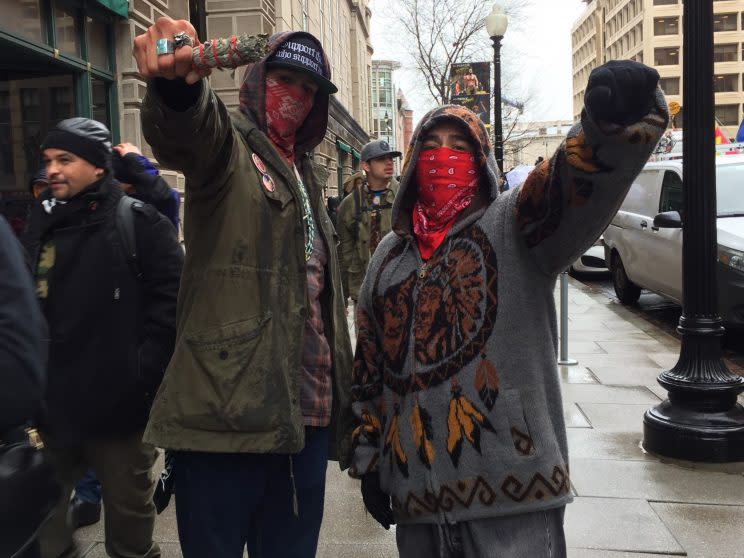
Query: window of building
[[666, 26], [669, 85], [723, 83], [727, 115], [99, 45], [725, 52], [665, 2], [67, 32], [725, 22], [666, 56], [305, 16], [28, 18]]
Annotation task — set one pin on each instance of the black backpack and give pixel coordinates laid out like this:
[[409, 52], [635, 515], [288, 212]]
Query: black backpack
[[356, 195], [124, 219]]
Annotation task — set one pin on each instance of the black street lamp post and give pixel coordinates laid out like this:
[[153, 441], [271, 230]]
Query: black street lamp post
[[701, 420], [496, 24]]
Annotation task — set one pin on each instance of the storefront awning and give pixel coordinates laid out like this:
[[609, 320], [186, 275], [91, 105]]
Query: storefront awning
[[119, 7], [356, 154], [345, 147]]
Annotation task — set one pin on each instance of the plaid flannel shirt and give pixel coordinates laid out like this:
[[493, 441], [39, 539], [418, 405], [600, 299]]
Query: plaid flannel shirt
[[316, 393]]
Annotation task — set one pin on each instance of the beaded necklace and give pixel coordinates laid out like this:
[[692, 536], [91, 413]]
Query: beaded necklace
[[307, 217]]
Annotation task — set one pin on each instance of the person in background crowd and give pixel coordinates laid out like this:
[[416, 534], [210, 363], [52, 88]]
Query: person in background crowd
[[111, 328], [460, 434], [38, 183], [364, 215], [139, 178], [28, 494], [256, 398], [352, 181], [332, 206]]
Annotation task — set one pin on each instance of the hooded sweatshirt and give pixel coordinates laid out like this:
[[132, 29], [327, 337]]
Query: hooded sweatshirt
[[455, 386]]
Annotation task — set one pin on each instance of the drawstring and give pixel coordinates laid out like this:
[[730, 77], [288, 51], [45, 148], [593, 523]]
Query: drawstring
[[295, 502], [442, 550]]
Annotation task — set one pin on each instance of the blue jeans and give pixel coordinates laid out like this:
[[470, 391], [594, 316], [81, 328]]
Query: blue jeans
[[227, 501], [89, 489]]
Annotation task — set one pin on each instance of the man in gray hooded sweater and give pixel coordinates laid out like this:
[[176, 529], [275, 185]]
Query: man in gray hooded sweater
[[460, 436]]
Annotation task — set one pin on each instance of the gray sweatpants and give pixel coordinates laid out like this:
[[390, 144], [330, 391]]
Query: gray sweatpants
[[530, 535]]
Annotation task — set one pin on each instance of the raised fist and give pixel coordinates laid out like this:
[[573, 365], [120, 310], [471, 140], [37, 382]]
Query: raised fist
[[621, 92], [169, 66]]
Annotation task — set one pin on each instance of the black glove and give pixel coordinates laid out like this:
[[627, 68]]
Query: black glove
[[130, 170], [376, 501], [621, 92], [166, 483]]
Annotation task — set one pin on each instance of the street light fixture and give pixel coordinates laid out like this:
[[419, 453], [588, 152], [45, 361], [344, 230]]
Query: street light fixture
[[701, 420], [496, 24]]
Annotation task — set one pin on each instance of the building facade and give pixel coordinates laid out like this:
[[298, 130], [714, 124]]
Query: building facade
[[65, 58], [650, 31], [404, 123], [384, 101], [530, 140]]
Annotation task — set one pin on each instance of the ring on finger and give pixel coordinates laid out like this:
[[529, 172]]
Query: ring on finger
[[164, 46], [182, 39]]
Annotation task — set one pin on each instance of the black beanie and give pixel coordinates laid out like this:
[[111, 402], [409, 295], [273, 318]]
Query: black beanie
[[86, 138]]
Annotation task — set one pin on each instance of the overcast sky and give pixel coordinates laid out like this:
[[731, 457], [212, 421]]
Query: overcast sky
[[536, 57]]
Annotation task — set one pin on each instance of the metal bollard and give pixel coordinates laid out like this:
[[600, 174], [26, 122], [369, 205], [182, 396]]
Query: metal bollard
[[563, 358]]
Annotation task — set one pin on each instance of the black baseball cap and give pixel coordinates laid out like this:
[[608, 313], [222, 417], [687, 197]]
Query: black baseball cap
[[303, 52]]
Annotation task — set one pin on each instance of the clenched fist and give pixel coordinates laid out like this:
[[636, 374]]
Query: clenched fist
[[168, 66]]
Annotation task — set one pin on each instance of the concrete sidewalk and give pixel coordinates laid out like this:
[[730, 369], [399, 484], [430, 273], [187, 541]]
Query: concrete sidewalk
[[628, 504]]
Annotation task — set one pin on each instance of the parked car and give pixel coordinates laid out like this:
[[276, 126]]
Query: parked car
[[591, 261], [643, 244]]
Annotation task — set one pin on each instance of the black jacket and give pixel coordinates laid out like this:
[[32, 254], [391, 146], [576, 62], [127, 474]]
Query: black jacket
[[21, 338], [111, 334]]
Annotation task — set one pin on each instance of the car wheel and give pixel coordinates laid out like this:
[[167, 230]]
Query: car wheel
[[627, 291]]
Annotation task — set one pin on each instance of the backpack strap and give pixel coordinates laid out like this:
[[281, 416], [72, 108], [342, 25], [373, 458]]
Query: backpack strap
[[125, 228], [356, 194]]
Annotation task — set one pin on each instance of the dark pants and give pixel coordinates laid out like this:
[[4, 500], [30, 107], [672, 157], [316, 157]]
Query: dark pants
[[227, 501], [530, 535]]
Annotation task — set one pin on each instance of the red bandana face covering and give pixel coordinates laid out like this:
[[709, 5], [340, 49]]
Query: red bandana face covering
[[447, 181], [287, 106]]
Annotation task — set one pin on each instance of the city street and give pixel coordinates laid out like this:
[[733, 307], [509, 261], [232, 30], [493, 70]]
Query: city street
[[628, 504]]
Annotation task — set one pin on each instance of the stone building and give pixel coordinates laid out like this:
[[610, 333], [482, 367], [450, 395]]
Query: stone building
[[64, 58], [650, 31]]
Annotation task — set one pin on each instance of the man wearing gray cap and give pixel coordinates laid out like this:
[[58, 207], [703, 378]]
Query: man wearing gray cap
[[364, 216]]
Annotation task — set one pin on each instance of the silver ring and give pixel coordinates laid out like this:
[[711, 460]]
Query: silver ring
[[164, 46], [182, 39]]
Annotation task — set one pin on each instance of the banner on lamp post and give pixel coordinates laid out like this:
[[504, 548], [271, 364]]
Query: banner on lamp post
[[470, 86]]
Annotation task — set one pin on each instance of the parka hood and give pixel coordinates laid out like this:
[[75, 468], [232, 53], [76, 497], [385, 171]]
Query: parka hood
[[476, 131], [253, 96]]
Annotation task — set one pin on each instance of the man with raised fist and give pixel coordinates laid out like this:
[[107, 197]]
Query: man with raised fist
[[256, 397]]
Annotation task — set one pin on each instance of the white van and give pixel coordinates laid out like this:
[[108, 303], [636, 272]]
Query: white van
[[643, 244]]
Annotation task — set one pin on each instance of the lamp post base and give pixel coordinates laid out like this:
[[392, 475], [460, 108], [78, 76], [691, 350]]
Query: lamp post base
[[684, 433]]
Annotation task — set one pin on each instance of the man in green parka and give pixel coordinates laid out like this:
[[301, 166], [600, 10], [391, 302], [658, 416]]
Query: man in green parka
[[256, 397], [364, 215]]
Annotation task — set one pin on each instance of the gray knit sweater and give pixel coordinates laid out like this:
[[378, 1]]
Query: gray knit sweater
[[455, 381]]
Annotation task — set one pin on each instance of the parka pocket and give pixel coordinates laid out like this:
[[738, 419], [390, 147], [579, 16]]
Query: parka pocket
[[233, 385]]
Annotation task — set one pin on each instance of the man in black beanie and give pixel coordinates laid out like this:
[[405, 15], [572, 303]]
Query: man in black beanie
[[111, 309]]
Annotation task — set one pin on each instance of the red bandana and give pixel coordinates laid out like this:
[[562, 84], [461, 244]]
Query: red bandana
[[287, 106], [447, 181]]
